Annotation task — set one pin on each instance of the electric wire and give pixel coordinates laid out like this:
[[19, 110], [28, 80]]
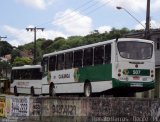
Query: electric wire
[[87, 13], [76, 9]]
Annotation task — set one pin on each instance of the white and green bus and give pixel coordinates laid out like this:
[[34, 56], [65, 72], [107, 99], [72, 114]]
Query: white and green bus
[[118, 66], [26, 80]]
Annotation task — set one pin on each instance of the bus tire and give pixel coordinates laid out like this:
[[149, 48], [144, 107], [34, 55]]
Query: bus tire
[[87, 90], [15, 91], [32, 91], [51, 90]]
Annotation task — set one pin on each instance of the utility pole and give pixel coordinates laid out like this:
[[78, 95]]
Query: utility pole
[[2, 37], [1, 82], [34, 29], [147, 33], [147, 30]]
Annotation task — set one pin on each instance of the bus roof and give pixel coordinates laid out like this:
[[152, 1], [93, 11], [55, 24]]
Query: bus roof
[[26, 67], [96, 44]]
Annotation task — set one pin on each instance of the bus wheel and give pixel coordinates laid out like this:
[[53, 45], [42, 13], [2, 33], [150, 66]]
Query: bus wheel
[[32, 91], [15, 91], [87, 89], [51, 90]]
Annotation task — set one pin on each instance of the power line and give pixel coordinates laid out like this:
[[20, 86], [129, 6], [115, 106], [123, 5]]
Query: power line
[[91, 11], [73, 15], [61, 20], [99, 6], [81, 6]]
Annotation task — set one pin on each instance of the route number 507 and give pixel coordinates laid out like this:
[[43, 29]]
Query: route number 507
[[136, 72]]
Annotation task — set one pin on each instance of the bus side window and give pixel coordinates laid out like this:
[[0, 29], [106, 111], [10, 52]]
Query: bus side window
[[98, 55], [88, 57], [45, 65], [78, 58], [107, 54], [68, 60], [52, 63], [60, 62], [22, 74], [17, 75]]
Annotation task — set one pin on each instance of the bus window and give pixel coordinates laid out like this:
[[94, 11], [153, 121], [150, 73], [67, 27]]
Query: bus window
[[36, 74], [78, 58], [68, 60], [18, 74], [88, 57], [45, 65], [143, 50], [28, 74], [107, 54], [98, 55], [60, 61], [52, 63]]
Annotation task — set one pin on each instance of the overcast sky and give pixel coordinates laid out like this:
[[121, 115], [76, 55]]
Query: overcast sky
[[71, 17]]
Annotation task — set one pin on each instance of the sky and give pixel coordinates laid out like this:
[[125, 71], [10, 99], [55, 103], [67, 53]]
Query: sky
[[64, 18]]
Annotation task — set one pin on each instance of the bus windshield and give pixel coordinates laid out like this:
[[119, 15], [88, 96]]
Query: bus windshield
[[135, 50]]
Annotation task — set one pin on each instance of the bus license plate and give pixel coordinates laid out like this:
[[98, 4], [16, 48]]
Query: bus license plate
[[136, 85], [136, 78]]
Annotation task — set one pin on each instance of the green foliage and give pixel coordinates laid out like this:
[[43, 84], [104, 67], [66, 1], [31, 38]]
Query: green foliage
[[5, 48], [58, 44], [15, 53], [22, 61], [59, 38], [4, 64], [74, 41], [44, 46]]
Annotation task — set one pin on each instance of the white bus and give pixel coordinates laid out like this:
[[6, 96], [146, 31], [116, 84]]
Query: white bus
[[26, 80], [120, 66], [124, 65]]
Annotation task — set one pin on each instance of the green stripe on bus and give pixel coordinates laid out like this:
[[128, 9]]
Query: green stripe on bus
[[95, 73]]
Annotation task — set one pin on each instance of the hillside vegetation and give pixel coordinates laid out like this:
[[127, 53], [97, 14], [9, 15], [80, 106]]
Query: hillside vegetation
[[24, 54]]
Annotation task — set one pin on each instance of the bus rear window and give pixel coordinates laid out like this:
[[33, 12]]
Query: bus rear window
[[135, 50]]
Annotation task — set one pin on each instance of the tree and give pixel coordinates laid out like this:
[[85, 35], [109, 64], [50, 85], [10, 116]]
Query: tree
[[5, 48], [4, 67], [15, 53], [74, 41], [56, 45], [59, 38], [22, 61], [46, 44]]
